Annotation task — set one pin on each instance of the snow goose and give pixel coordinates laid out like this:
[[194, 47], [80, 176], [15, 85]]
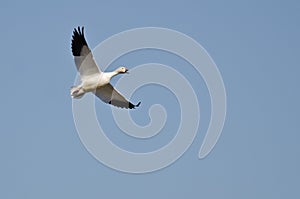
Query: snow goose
[[92, 78]]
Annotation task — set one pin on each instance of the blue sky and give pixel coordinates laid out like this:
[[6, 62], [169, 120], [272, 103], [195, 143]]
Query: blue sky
[[255, 45]]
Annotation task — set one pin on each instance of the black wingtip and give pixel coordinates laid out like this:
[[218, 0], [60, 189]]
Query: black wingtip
[[132, 106], [138, 104], [78, 40]]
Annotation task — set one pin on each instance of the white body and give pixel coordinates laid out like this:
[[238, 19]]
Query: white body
[[92, 78]]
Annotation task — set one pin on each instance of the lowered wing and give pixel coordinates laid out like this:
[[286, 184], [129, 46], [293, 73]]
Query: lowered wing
[[111, 96]]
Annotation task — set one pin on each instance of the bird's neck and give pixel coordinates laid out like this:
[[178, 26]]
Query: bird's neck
[[112, 74]]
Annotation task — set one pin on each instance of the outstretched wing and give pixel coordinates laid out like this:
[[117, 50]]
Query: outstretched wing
[[111, 96], [83, 56]]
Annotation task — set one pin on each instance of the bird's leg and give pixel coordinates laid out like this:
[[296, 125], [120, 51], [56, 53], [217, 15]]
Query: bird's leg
[[76, 92]]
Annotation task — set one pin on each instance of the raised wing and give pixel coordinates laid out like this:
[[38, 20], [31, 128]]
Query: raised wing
[[83, 56], [111, 96]]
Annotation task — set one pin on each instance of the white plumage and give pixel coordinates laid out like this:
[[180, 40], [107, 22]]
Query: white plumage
[[92, 78]]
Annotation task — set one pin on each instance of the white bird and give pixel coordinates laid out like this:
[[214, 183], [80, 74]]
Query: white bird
[[92, 78]]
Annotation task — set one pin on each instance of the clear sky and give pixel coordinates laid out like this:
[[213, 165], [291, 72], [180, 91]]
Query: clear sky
[[255, 45]]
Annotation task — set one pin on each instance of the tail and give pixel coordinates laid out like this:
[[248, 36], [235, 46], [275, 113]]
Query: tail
[[76, 92]]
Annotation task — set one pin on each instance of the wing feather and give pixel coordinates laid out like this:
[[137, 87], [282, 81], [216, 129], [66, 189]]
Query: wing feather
[[111, 96], [83, 56]]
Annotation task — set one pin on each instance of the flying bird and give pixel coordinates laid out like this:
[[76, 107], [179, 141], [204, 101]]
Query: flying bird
[[92, 78]]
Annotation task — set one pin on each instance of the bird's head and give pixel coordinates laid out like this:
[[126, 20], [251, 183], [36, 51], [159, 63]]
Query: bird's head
[[122, 69]]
